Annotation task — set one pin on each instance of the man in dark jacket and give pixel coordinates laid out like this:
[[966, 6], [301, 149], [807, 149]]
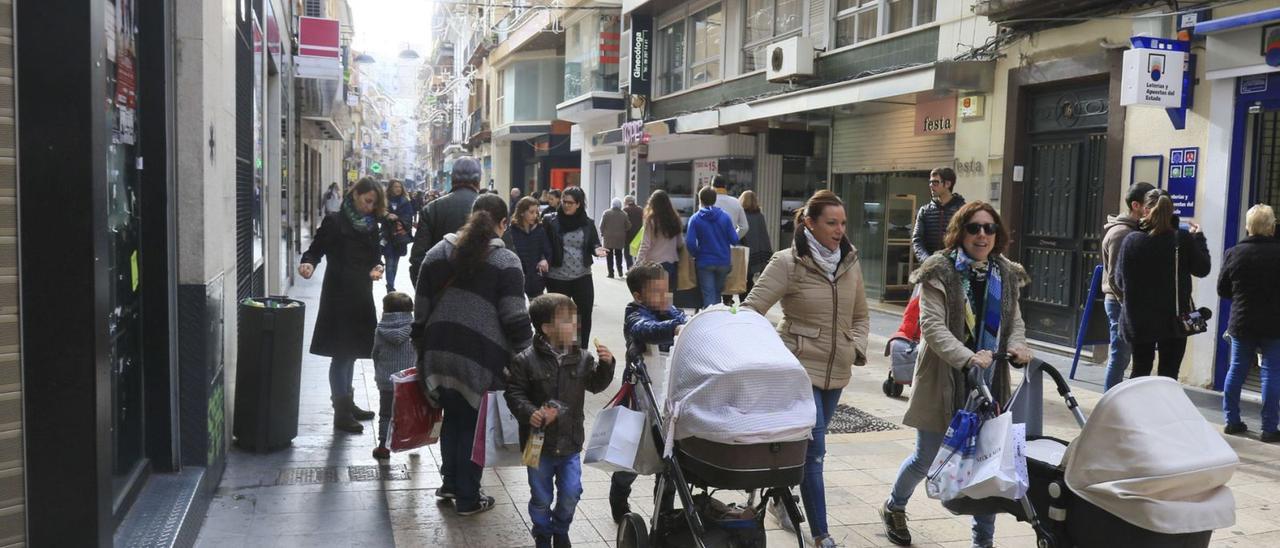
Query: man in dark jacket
[[1248, 279], [933, 217], [1113, 234], [447, 214]]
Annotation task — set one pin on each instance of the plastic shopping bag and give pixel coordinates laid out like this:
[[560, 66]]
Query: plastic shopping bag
[[635, 243], [953, 466], [1000, 461], [507, 423], [415, 421]]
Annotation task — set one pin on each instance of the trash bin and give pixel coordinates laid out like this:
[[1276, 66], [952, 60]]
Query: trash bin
[[268, 372]]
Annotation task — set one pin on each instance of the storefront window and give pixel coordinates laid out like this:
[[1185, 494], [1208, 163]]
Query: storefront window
[[881, 210], [802, 176], [530, 90], [682, 180], [123, 225], [591, 49]]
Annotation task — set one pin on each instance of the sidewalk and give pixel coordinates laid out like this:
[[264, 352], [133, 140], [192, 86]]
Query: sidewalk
[[326, 490]]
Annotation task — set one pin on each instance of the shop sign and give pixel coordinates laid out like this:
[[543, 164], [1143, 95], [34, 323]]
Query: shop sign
[[1183, 167], [704, 171], [935, 115], [633, 133], [1253, 84], [1153, 73], [641, 54], [971, 167], [319, 49]]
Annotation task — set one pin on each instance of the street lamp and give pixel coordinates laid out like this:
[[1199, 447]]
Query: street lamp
[[364, 58], [408, 54]]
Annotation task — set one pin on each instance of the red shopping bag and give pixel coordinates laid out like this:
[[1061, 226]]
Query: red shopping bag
[[415, 422]]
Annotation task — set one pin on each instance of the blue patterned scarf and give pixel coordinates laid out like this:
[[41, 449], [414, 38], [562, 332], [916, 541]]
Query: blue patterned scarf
[[983, 326], [362, 223]]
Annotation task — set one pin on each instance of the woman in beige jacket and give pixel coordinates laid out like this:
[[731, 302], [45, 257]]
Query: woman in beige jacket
[[825, 324], [968, 314]]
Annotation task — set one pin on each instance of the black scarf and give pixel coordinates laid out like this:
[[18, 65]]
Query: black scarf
[[570, 223]]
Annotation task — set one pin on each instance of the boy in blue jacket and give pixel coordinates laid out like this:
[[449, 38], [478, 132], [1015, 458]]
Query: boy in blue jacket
[[650, 319], [711, 234]]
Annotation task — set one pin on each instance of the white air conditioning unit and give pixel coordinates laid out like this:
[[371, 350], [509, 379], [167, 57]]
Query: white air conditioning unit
[[789, 59]]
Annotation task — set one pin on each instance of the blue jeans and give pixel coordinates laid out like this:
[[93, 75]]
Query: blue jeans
[[565, 475], [812, 489], [711, 282], [1120, 352], [341, 371], [392, 259], [916, 468], [458, 474], [1243, 354]]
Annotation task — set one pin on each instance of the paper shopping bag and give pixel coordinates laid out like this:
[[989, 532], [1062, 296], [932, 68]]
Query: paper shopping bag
[[736, 283], [953, 465], [415, 421], [648, 460], [488, 449], [615, 438], [686, 272], [1000, 461], [478, 452], [507, 424]]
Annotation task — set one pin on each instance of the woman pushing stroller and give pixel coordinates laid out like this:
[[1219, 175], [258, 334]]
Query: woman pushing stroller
[[969, 313]]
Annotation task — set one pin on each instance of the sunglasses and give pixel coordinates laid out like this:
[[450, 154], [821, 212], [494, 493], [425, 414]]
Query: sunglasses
[[989, 228]]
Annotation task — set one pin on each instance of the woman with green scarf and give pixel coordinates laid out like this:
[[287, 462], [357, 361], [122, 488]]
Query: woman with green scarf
[[968, 315], [345, 323]]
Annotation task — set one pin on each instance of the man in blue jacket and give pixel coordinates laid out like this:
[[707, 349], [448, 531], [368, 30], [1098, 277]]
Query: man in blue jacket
[[711, 234]]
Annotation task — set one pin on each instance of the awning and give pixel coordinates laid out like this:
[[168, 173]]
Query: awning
[[1242, 21], [881, 86]]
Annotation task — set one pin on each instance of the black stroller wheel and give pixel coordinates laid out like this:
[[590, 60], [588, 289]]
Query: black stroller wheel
[[888, 385], [632, 532], [1043, 540], [897, 390]]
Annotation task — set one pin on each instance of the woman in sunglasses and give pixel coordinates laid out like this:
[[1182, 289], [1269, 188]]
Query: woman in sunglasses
[[968, 315]]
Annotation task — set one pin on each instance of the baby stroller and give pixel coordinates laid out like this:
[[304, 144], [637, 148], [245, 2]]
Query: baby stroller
[[901, 350], [738, 416], [1146, 471]]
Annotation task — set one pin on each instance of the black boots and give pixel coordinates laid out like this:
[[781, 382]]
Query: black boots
[[342, 416], [361, 414]]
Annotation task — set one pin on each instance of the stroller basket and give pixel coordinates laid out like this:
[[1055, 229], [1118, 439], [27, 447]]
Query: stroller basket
[[744, 467]]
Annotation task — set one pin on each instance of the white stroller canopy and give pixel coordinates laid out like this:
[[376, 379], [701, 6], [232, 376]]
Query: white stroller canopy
[[1147, 456], [731, 380]]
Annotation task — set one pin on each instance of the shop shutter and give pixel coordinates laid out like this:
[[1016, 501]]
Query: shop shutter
[[244, 161], [12, 515], [886, 142]]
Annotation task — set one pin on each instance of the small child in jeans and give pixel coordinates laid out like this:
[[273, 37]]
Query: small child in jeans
[[392, 352], [546, 389], [650, 319]]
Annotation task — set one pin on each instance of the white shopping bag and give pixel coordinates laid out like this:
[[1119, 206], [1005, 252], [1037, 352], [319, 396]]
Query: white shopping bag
[[1000, 462], [507, 423], [615, 439], [489, 433]]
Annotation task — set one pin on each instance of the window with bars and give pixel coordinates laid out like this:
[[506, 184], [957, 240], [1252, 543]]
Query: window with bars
[[314, 8], [861, 20], [765, 22], [690, 50]]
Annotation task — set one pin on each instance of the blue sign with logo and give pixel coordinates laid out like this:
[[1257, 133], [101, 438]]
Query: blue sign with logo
[[1184, 167]]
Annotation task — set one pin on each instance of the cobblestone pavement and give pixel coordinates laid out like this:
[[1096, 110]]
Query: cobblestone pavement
[[266, 500]]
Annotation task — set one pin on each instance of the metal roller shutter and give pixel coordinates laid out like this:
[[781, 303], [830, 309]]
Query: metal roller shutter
[[12, 513], [885, 142]]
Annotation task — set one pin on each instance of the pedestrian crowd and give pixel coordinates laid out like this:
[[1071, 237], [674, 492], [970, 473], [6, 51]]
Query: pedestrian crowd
[[502, 299]]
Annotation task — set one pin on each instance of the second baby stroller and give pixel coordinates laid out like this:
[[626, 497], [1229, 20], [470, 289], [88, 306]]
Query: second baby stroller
[[737, 416], [1146, 471]]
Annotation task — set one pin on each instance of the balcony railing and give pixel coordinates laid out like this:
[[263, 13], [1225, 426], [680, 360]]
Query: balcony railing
[[1000, 11]]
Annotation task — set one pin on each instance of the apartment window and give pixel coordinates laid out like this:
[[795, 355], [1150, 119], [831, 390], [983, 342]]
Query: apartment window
[[500, 106], [861, 20], [690, 50], [767, 21]]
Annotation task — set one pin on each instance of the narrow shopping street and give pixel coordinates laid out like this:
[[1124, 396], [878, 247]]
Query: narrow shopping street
[[327, 490]]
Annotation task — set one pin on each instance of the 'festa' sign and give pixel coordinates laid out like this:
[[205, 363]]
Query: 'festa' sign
[[1153, 73]]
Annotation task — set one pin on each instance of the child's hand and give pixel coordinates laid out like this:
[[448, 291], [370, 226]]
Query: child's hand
[[603, 352], [679, 328]]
